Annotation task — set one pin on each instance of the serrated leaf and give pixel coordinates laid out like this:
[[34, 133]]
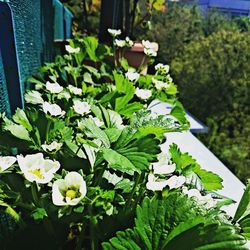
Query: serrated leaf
[[93, 131], [179, 113], [130, 109], [18, 131], [186, 165], [126, 185], [174, 223], [20, 118], [243, 209], [113, 134], [119, 162], [91, 44], [39, 214]]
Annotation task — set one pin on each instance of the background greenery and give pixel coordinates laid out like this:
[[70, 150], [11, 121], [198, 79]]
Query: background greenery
[[209, 57], [86, 14]]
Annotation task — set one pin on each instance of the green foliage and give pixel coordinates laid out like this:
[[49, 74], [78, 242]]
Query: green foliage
[[86, 15], [217, 67], [156, 227], [209, 58], [87, 118], [133, 154], [242, 215], [192, 170]]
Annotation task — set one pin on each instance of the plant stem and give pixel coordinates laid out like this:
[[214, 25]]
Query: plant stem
[[77, 151], [47, 130], [137, 179], [92, 230], [96, 182], [142, 63], [34, 194], [49, 227]]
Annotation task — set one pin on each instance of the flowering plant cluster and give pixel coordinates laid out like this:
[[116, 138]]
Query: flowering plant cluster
[[84, 160]]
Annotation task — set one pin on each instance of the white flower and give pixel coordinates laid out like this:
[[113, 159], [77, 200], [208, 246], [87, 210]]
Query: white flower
[[72, 50], [114, 32], [155, 185], [53, 109], [52, 146], [120, 43], [6, 162], [131, 75], [54, 87], [206, 200], [97, 121], [163, 166], [192, 193], [36, 168], [81, 107], [169, 79], [160, 84], [33, 97], [129, 43], [69, 191], [74, 90], [147, 44], [162, 68], [143, 94], [175, 181], [150, 52]]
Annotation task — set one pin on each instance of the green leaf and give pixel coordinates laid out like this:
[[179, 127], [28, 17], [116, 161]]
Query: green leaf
[[87, 78], [39, 214], [243, 209], [79, 209], [245, 226], [91, 44], [125, 89], [204, 237], [179, 113], [93, 131], [113, 134], [119, 162], [124, 63], [130, 109], [20, 118], [123, 241], [92, 70], [186, 165], [126, 185], [18, 131], [130, 154], [76, 149], [145, 122], [175, 223]]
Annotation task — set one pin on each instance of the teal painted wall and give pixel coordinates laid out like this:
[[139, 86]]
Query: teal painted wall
[[37, 24]]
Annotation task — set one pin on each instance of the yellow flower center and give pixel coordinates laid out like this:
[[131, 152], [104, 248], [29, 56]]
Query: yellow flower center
[[72, 194], [37, 173]]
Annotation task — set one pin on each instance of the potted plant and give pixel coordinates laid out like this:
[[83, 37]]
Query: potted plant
[[82, 167], [134, 15]]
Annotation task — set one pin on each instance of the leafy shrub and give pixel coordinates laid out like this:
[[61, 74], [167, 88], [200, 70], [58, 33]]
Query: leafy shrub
[[181, 25], [213, 77]]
